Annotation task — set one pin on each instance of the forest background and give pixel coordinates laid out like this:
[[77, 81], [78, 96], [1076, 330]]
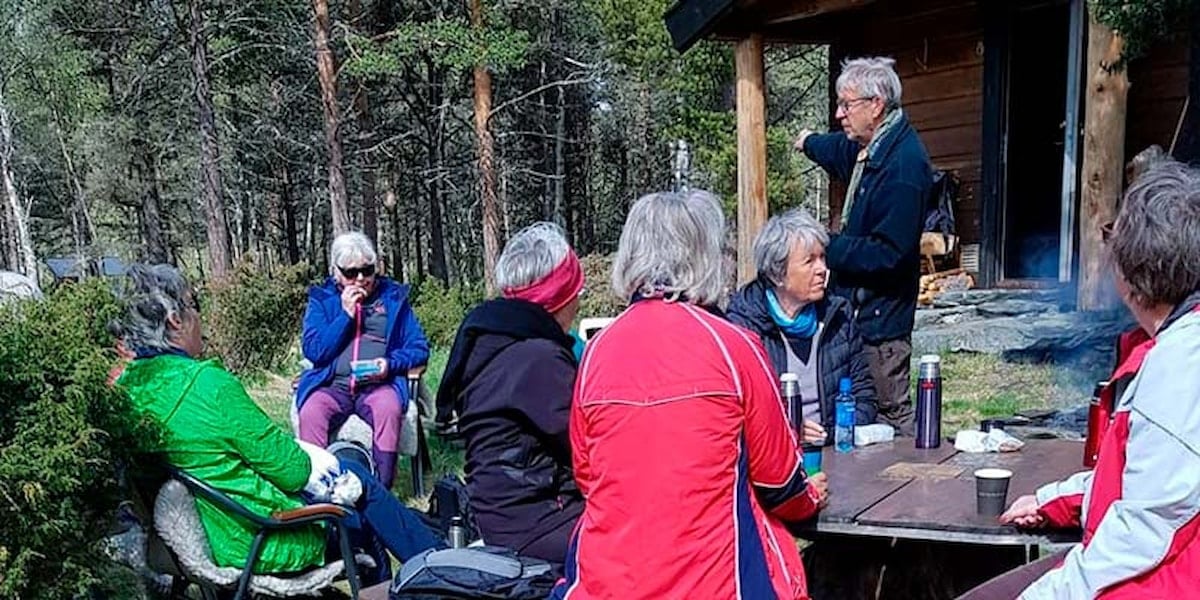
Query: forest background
[[235, 138], [209, 133]]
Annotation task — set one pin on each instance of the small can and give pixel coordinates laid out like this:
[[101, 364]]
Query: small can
[[1097, 425], [929, 402], [789, 390], [457, 533]]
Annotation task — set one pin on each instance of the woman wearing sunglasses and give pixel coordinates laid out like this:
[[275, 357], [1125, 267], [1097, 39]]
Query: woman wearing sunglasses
[[361, 336]]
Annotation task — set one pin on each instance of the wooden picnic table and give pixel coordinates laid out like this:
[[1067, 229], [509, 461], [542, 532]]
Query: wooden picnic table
[[911, 514], [894, 490]]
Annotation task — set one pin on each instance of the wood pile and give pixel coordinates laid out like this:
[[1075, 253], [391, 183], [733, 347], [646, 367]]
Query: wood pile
[[954, 280]]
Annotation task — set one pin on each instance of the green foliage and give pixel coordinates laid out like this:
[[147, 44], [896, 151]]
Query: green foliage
[[253, 318], [450, 42], [440, 309], [1140, 23], [63, 435], [599, 301]]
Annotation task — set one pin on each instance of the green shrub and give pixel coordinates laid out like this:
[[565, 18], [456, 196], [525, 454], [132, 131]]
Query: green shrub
[[599, 300], [441, 309], [62, 435], [253, 319]]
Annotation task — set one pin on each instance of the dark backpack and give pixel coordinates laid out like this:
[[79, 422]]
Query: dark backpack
[[939, 214], [482, 573], [449, 500]]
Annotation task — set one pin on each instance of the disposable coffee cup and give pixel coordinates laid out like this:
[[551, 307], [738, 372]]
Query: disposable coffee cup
[[991, 491], [812, 459]]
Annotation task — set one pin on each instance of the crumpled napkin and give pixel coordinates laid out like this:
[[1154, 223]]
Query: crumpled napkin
[[874, 433], [996, 440], [327, 482]]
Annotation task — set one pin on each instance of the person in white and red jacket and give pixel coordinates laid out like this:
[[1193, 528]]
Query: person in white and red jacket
[[1140, 506]]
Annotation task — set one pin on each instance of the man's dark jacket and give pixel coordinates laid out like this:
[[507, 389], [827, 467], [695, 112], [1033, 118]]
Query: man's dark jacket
[[876, 257], [839, 349], [509, 380]]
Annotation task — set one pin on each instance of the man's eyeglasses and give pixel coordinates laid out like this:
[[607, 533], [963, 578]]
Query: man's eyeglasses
[[1106, 231], [367, 270], [845, 105]]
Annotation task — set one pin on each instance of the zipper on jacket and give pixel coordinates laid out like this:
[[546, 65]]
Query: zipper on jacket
[[357, 340]]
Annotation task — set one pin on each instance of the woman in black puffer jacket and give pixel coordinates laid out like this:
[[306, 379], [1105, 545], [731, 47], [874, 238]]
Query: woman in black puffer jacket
[[804, 331]]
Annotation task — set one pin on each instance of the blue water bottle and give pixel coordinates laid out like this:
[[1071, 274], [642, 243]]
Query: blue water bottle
[[844, 413]]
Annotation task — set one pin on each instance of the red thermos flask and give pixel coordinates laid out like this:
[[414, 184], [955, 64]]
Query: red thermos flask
[[1097, 425]]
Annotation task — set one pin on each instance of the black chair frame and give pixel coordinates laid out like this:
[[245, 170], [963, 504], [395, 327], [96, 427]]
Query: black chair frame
[[333, 514]]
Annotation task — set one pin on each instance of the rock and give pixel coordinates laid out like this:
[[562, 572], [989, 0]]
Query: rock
[[1014, 307], [939, 316], [1027, 337], [976, 297]]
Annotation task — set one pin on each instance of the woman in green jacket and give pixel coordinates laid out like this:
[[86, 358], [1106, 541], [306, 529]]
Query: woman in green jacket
[[214, 431]]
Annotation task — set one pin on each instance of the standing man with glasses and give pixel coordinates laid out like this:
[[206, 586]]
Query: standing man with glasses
[[362, 337], [875, 258]]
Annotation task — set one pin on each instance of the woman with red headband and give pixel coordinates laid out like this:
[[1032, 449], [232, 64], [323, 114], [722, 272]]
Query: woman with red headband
[[508, 383]]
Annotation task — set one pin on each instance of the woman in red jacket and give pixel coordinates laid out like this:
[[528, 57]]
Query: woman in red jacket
[[680, 443]]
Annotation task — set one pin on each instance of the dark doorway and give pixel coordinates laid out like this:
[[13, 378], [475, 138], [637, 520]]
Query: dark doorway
[[1036, 117]]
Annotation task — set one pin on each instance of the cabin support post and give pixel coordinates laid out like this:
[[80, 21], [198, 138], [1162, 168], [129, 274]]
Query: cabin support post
[[1103, 161], [751, 150]]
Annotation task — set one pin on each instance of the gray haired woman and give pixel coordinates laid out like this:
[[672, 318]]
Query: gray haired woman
[[805, 331], [1143, 495], [213, 430], [508, 385], [680, 441], [362, 337]]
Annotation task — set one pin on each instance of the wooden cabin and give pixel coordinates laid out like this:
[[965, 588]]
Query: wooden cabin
[[998, 91]]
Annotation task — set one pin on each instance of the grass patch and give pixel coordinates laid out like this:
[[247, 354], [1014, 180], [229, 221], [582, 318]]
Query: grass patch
[[981, 386], [273, 393]]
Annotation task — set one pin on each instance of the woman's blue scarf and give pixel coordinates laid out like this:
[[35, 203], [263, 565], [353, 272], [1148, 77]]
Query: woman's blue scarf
[[803, 325]]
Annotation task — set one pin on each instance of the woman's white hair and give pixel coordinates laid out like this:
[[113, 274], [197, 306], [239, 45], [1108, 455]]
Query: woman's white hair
[[871, 77], [672, 245], [774, 243], [530, 255], [349, 248]]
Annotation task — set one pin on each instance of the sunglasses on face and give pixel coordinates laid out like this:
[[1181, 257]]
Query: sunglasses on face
[[367, 270]]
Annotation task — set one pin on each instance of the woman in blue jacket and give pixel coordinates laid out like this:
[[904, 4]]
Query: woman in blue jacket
[[362, 337]]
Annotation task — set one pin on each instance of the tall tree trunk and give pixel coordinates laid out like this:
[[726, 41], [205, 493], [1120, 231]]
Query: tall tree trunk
[[210, 157], [366, 125], [287, 208], [370, 214], [438, 266], [81, 221], [1103, 160], [20, 249], [487, 174], [434, 176], [327, 76], [154, 246], [560, 163]]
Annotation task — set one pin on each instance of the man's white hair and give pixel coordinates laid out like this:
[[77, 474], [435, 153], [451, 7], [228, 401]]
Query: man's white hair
[[871, 77]]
